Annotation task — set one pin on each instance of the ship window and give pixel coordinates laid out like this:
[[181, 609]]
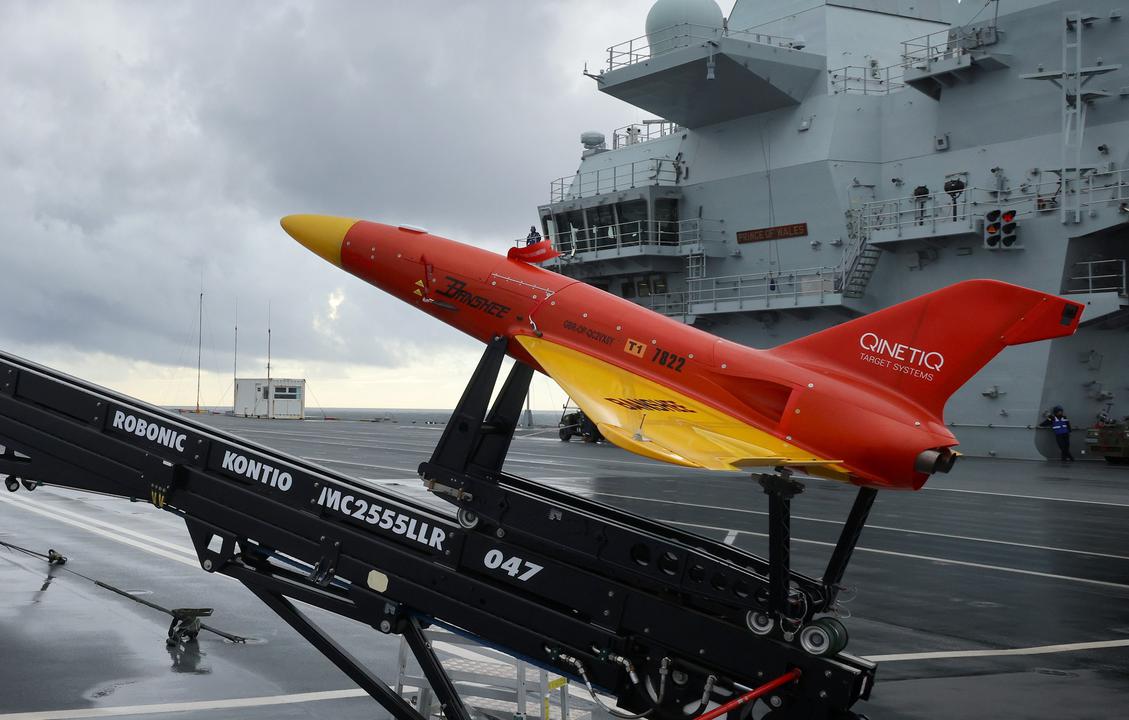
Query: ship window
[[658, 284], [666, 222], [629, 289], [643, 287], [601, 222], [633, 211], [666, 209], [632, 222]]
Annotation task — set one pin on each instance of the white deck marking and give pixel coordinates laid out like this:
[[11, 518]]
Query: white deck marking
[[1027, 497], [104, 533], [426, 447], [730, 537], [159, 708], [912, 556], [1039, 650], [869, 526], [101, 523]]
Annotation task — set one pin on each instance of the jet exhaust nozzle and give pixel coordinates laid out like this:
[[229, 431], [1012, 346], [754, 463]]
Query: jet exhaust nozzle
[[935, 461]]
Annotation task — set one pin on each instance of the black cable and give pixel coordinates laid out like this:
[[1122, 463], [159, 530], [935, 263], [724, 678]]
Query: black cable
[[57, 560]]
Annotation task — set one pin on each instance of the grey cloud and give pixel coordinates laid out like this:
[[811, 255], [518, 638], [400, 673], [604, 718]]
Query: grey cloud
[[146, 146]]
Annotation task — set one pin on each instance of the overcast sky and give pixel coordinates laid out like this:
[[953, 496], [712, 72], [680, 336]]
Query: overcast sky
[[149, 148]]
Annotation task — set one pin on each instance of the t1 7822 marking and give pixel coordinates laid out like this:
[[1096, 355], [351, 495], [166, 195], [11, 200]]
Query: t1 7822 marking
[[668, 359]]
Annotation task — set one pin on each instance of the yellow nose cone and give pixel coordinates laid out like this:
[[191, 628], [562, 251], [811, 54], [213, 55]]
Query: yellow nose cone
[[322, 234]]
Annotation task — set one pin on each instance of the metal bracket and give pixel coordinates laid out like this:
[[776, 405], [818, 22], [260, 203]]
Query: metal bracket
[[202, 535], [322, 573]]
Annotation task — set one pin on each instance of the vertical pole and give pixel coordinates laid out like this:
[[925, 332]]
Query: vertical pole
[[270, 393], [780, 490], [199, 351], [779, 551], [235, 362]]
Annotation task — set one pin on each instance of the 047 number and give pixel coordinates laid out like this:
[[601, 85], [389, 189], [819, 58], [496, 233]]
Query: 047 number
[[495, 560]]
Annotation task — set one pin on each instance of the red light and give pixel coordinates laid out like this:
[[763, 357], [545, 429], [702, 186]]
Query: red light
[[1009, 215]]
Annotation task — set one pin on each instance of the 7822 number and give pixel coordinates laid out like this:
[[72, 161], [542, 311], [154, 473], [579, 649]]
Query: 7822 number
[[668, 359]]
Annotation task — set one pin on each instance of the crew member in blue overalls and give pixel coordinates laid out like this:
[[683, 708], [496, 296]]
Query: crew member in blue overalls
[[1058, 422]]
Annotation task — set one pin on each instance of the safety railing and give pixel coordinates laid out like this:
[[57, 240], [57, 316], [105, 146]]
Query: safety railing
[[655, 171], [770, 289], [920, 52], [866, 80], [1094, 189], [1111, 187], [678, 36], [640, 233], [672, 304], [1098, 276], [642, 132], [924, 209], [852, 255]]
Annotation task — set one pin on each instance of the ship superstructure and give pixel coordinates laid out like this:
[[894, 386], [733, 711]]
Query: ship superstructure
[[809, 162]]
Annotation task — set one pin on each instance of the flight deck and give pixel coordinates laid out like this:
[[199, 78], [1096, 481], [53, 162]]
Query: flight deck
[[997, 591]]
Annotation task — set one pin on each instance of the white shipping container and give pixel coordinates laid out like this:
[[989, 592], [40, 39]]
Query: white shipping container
[[280, 398]]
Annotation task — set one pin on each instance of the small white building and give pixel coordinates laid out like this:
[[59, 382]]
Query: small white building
[[277, 398]]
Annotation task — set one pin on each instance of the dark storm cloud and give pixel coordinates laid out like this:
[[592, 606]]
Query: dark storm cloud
[[147, 148]]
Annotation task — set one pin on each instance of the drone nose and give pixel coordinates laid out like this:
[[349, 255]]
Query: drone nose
[[323, 234]]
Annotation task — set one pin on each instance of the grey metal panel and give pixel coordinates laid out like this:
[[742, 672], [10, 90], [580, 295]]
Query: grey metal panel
[[750, 78], [821, 161]]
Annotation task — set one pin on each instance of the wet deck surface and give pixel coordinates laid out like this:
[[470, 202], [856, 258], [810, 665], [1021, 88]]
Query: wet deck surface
[[998, 556]]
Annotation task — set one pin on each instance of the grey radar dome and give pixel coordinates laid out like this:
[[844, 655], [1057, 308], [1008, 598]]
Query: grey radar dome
[[672, 23], [591, 139]]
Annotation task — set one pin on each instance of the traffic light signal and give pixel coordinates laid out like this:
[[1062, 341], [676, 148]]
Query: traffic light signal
[[1008, 229], [1000, 230], [992, 227]]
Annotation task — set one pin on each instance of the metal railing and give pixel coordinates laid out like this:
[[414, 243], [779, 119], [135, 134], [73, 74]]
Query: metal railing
[[1098, 276], [866, 80], [636, 50], [918, 53], [639, 233], [656, 171], [918, 210], [672, 304], [1113, 184], [1095, 189], [770, 289], [852, 256], [642, 132]]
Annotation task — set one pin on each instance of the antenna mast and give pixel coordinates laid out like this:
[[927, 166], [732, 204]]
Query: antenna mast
[[270, 394], [235, 362], [199, 351]]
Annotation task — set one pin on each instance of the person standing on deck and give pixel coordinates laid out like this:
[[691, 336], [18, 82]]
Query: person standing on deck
[[1058, 422]]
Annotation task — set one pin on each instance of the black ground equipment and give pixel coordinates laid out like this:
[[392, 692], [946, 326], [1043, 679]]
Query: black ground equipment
[[665, 621]]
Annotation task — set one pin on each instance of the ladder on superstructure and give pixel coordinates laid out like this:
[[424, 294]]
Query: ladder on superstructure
[[1071, 79]]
